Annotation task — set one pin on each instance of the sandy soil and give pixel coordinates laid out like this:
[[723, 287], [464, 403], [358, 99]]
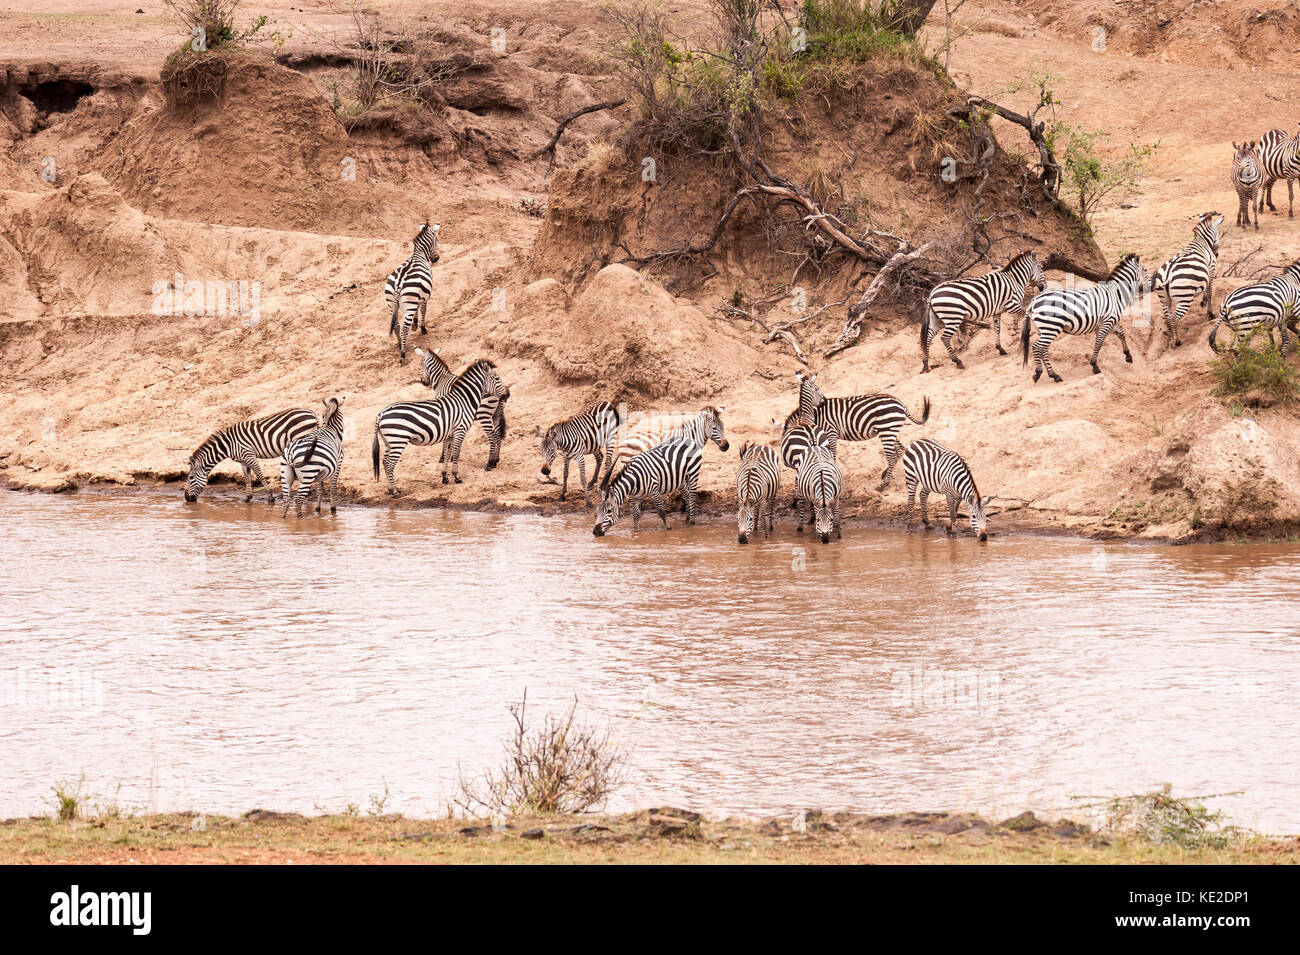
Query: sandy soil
[[102, 389]]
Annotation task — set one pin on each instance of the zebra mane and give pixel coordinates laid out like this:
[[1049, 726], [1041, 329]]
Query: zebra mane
[[1120, 266], [1022, 257], [210, 443]]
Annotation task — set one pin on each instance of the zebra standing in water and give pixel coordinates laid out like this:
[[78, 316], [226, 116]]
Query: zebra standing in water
[[591, 431], [1272, 304], [1080, 311], [860, 418], [929, 467], [798, 436], [702, 428], [757, 484], [446, 419], [1190, 273], [315, 458], [408, 286], [671, 466], [978, 299], [1279, 154], [245, 442], [491, 415], [1246, 179], [819, 482]]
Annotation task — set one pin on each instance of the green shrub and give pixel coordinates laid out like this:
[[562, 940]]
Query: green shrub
[[1256, 366]]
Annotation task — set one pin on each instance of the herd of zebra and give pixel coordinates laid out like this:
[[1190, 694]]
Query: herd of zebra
[[661, 455]]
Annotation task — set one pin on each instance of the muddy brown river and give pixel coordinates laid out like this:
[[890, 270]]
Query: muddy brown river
[[214, 657]]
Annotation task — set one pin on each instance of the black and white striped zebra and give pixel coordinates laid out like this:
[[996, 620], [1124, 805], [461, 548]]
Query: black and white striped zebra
[[315, 459], [757, 483], [819, 483], [930, 468], [246, 442], [446, 419], [491, 416], [1080, 311], [977, 299], [1279, 155], [1272, 304], [860, 418], [671, 466], [1247, 177], [594, 431], [409, 285], [655, 428], [798, 435], [1190, 273]]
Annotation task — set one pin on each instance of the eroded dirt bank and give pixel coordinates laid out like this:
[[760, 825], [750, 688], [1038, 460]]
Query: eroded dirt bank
[[253, 189]]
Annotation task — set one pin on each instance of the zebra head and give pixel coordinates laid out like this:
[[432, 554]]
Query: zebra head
[[332, 418], [432, 367], [1207, 229], [550, 448], [1026, 266], [979, 518], [746, 506], [712, 418], [1129, 273], [201, 462], [810, 395], [608, 513], [426, 241], [1246, 162]]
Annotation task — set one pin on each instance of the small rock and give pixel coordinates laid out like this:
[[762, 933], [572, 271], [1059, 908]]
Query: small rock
[[1025, 822], [533, 833]]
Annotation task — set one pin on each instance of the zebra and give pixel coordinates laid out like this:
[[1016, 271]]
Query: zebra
[[1079, 311], [860, 418], [245, 442], [671, 466], [408, 286], [703, 427], [798, 435], [1279, 154], [591, 431], [757, 483], [314, 458], [446, 419], [1272, 304], [1246, 178], [491, 414], [1190, 273], [954, 303], [819, 482], [929, 467]]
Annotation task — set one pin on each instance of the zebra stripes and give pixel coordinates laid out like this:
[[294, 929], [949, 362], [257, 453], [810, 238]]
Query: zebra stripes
[[409, 285], [952, 304], [1272, 304], [1279, 155], [671, 466], [314, 458], [819, 483], [860, 418], [1190, 273], [1080, 311], [446, 419], [930, 468], [244, 443], [703, 427], [757, 483], [491, 415], [593, 431], [1246, 179]]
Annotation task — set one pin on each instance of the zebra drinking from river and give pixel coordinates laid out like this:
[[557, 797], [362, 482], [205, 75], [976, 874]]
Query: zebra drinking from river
[[593, 431], [671, 466], [929, 467], [245, 442], [757, 484]]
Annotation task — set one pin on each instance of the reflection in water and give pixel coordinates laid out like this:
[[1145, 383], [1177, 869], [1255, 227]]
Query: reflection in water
[[215, 657]]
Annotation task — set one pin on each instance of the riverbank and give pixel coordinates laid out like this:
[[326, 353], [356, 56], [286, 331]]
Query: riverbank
[[649, 836]]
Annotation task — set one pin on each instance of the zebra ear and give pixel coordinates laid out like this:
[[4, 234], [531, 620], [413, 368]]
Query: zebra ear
[[437, 226], [986, 501], [437, 350]]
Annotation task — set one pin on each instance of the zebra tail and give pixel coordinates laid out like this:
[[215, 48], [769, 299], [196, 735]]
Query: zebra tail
[[925, 323], [925, 412], [1024, 341], [374, 451], [1215, 331], [397, 305]]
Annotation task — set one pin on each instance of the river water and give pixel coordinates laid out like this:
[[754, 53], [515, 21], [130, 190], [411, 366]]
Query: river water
[[214, 657]]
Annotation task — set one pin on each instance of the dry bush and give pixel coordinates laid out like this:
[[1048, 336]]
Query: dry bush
[[559, 767], [189, 78]]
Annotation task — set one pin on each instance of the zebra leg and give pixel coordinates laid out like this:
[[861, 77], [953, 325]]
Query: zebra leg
[[952, 514], [320, 493], [286, 487], [911, 502], [1207, 297], [1290, 198], [688, 497], [456, 438], [634, 506], [1123, 340], [837, 514], [391, 456], [1177, 320], [1041, 360], [946, 337], [997, 333], [424, 307], [889, 440], [582, 478], [595, 475], [248, 483], [334, 493], [924, 497], [564, 484], [659, 508]]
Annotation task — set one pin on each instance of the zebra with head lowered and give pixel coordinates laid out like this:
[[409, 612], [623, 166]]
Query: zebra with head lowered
[[1075, 311], [977, 299], [819, 482], [1190, 273], [313, 459], [491, 415], [798, 436], [1272, 304], [446, 419], [591, 431], [245, 442], [1279, 155], [929, 467], [860, 418], [671, 466], [757, 484], [655, 428], [1246, 178], [409, 285]]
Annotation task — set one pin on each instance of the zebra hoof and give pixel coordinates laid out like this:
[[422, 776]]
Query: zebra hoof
[[333, 509], [799, 529], [1037, 375], [958, 363], [925, 369], [444, 479], [1096, 370], [1128, 358], [1001, 350], [561, 497], [1057, 378], [460, 480]]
